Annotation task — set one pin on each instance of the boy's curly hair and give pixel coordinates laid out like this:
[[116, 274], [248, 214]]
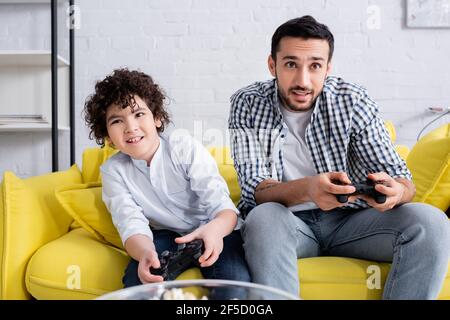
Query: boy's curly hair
[[119, 88]]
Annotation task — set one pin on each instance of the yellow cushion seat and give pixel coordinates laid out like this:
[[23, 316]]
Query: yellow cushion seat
[[101, 269], [52, 271], [81, 267], [429, 160], [320, 277]]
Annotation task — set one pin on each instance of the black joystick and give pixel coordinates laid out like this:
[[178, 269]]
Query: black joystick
[[174, 263], [367, 188]]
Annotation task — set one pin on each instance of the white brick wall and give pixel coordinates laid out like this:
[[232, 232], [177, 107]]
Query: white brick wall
[[27, 27], [201, 51]]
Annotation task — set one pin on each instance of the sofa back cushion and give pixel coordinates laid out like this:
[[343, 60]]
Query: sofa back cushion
[[225, 164], [92, 159], [391, 130], [84, 203], [402, 150], [30, 216], [429, 162]]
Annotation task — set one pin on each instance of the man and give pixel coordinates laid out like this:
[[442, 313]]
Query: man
[[301, 139]]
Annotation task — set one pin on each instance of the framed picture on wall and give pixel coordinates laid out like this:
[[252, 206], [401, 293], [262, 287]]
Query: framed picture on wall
[[428, 13]]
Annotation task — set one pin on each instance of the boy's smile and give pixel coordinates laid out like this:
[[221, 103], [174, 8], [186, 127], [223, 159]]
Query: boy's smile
[[133, 132], [135, 140]]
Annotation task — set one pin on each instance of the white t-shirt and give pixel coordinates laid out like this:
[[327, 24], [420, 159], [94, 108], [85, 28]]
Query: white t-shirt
[[297, 161]]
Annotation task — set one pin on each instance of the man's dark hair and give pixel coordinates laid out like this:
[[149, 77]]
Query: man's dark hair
[[120, 88], [305, 27]]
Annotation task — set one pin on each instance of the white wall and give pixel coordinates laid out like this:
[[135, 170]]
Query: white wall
[[26, 27], [201, 51]]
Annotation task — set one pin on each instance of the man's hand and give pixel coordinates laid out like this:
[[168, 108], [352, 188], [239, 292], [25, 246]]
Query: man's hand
[[396, 192], [149, 258], [322, 189]]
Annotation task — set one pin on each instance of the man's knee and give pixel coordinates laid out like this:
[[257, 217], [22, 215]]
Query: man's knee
[[269, 215], [267, 222], [426, 215], [428, 221]]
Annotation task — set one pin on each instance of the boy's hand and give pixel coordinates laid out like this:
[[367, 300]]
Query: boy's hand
[[211, 234], [148, 259]]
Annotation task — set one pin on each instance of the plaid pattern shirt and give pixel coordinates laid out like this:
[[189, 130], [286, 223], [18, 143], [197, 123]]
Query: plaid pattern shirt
[[345, 134]]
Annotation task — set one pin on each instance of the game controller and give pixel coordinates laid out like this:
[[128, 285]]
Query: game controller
[[174, 263], [367, 188]]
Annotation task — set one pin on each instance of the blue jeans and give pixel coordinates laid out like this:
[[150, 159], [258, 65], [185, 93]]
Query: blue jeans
[[230, 265], [414, 237]]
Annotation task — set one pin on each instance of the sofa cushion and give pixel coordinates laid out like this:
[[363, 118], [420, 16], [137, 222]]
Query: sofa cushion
[[341, 278], [402, 150], [30, 216], [429, 162], [75, 266], [391, 130], [222, 156], [84, 203], [92, 159], [78, 266]]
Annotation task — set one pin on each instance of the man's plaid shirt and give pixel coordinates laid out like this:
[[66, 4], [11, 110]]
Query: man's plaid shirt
[[345, 134]]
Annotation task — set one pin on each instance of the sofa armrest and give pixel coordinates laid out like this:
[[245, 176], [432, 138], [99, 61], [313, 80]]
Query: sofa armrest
[[30, 216]]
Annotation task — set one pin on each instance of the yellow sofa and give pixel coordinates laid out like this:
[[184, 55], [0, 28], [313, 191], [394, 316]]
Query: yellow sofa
[[46, 254]]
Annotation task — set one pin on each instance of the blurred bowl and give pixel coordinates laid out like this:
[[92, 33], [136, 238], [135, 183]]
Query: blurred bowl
[[206, 289]]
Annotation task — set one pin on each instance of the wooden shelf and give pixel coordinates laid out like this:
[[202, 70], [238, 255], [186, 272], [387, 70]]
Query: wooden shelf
[[29, 58], [29, 127]]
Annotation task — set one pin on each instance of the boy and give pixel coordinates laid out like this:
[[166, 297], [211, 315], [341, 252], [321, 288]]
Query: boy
[[161, 192]]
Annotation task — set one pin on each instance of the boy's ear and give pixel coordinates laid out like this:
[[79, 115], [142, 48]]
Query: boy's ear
[[158, 123]]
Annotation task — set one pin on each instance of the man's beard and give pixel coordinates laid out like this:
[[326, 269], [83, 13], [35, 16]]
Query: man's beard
[[285, 99]]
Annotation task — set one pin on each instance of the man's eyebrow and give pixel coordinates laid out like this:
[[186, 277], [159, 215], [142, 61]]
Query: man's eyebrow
[[290, 58], [310, 58]]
